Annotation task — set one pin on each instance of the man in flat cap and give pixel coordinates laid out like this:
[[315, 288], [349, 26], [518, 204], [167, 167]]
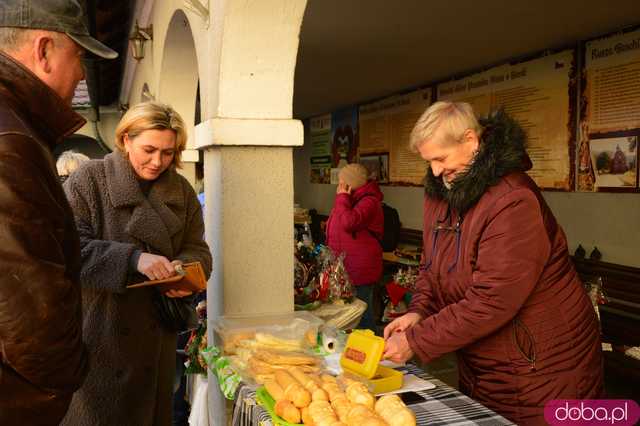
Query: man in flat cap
[[42, 357]]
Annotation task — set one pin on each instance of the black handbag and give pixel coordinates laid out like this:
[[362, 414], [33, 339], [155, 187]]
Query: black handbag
[[175, 314]]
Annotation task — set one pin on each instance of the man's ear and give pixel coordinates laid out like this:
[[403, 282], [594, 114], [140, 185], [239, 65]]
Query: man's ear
[[42, 49], [471, 136]]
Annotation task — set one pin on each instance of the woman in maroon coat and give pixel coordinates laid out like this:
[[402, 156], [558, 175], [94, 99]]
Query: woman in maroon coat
[[355, 227], [497, 285]]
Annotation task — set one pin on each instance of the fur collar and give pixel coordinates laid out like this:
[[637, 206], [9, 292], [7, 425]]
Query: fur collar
[[502, 151]]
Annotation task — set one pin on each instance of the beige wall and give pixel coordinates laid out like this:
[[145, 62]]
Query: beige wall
[[106, 126], [609, 221]]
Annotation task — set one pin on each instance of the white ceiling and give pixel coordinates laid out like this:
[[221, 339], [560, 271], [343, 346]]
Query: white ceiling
[[353, 51]]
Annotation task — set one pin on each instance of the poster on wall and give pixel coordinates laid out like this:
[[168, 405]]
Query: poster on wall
[[538, 94], [344, 139], [385, 127], [321, 153], [610, 114], [377, 165], [375, 126]]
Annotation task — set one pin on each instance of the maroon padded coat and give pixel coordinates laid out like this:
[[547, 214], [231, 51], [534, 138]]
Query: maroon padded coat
[[497, 286], [355, 226]]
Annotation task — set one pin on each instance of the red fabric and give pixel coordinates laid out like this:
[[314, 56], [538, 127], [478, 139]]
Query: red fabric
[[513, 291], [350, 228]]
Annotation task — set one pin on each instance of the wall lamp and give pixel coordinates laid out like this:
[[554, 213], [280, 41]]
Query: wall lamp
[[137, 39]]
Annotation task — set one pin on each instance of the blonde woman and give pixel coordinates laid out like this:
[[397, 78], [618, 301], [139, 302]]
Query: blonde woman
[[137, 218]]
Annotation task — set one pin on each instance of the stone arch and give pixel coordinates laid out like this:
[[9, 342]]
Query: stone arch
[[178, 79]]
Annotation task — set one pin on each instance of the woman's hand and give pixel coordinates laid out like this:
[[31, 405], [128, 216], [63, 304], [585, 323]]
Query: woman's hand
[[397, 348], [155, 267], [400, 325], [177, 293], [343, 188]]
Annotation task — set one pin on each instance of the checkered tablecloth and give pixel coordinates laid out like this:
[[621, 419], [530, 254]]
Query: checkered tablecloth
[[443, 405]]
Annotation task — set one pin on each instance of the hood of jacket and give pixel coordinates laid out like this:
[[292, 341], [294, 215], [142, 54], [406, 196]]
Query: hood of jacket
[[369, 188], [47, 114], [502, 151]]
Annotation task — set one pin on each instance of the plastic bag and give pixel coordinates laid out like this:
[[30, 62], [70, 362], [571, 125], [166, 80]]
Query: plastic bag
[[228, 378], [199, 412]]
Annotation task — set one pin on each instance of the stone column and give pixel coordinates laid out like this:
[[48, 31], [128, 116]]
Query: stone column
[[247, 57], [249, 213]]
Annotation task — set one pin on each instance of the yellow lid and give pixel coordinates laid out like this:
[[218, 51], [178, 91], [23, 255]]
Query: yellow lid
[[362, 353]]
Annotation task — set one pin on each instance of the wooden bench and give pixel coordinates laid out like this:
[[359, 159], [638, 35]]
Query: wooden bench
[[620, 316]]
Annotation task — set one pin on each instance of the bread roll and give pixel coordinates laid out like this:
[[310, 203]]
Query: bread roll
[[319, 395], [306, 417], [274, 389], [359, 394], [322, 413], [361, 415], [287, 411], [301, 377], [285, 379], [332, 390], [394, 411], [341, 406], [298, 395], [328, 379]]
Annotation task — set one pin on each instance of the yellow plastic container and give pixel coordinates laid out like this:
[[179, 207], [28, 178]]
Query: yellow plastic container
[[361, 357]]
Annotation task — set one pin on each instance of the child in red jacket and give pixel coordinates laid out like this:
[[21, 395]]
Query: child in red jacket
[[355, 227]]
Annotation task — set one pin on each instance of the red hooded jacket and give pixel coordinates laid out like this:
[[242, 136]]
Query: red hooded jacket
[[355, 226]]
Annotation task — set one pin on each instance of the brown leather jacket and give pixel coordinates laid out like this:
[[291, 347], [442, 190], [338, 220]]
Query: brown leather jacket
[[42, 357]]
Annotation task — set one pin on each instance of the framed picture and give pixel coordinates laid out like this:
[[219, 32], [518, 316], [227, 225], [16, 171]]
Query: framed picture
[[615, 162], [377, 165]]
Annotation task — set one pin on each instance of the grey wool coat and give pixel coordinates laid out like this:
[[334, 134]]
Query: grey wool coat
[[132, 358]]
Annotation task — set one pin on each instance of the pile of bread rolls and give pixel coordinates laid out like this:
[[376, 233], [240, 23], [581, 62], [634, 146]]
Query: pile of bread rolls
[[321, 400]]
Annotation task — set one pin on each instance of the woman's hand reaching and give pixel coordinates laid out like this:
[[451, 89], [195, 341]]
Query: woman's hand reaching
[[155, 267], [400, 325]]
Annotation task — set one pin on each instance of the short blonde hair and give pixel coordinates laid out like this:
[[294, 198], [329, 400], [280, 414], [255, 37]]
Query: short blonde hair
[[454, 118], [355, 175], [69, 161], [152, 115]]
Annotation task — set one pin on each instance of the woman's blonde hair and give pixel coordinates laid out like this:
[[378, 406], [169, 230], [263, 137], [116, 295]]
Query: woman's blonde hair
[[152, 115], [454, 118]]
